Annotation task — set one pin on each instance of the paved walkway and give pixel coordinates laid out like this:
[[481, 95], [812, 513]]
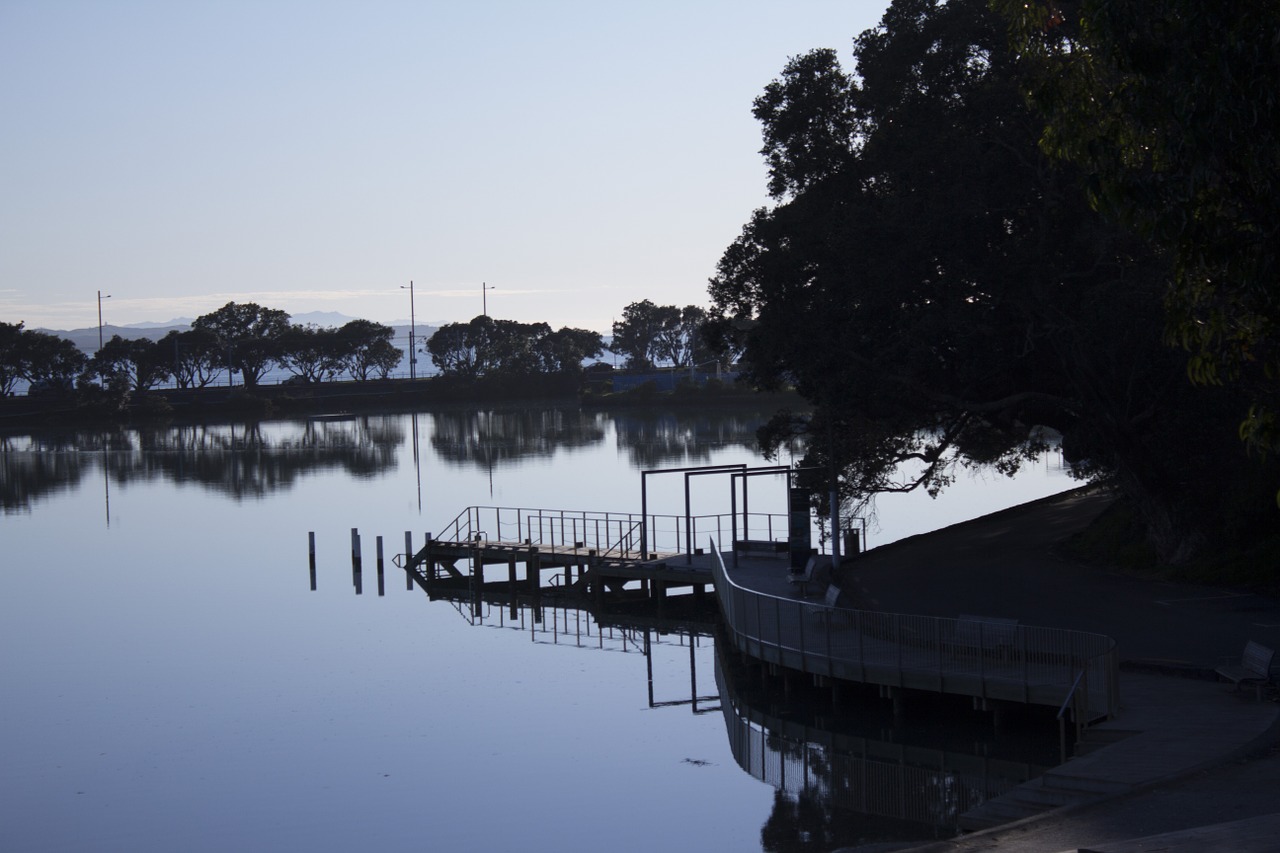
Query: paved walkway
[[1182, 728]]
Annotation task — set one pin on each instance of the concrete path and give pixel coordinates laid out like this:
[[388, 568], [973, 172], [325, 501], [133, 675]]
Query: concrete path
[[1189, 736]]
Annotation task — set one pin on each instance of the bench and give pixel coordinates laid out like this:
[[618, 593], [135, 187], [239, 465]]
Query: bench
[[1254, 668], [986, 634], [760, 547], [831, 614], [804, 576]]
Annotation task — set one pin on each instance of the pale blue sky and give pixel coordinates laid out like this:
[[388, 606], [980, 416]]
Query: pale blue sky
[[314, 156]]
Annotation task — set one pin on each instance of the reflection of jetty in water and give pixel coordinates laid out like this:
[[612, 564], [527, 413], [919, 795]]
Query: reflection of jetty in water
[[239, 460], [848, 767], [559, 615], [567, 620], [850, 772]]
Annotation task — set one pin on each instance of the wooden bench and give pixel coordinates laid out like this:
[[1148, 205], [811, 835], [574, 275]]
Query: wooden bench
[[760, 547], [1254, 668], [986, 634], [803, 577], [831, 614]]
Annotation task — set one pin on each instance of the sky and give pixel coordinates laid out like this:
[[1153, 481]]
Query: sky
[[574, 157]]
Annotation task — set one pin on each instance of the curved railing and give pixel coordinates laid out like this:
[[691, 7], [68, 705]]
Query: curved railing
[[1018, 663], [875, 777]]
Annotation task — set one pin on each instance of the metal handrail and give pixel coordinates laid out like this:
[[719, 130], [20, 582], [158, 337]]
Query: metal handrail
[[612, 534], [876, 647], [1075, 715]]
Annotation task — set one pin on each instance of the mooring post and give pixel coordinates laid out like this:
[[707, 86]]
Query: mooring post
[[534, 568], [311, 550], [381, 588], [429, 574], [511, 583], [533, 571], [693, 672], [408, 560], [477, 580], [356, 579]]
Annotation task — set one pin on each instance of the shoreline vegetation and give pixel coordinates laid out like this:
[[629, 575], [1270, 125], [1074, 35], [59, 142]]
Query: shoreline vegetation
[[89, 406]]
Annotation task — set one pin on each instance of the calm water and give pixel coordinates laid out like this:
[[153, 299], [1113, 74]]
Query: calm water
[[172, 682]]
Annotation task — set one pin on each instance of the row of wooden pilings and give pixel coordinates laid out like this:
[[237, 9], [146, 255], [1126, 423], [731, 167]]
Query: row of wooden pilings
[[357, 563], [573, 569]]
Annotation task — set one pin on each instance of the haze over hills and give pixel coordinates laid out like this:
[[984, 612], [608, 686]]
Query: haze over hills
[[87, 339]]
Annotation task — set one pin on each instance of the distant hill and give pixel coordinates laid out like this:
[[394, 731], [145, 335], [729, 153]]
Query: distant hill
[[87, 339], [177, 323]]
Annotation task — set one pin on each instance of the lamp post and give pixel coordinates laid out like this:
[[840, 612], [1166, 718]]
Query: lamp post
[[484, 300], [100, 298], [413, 350]]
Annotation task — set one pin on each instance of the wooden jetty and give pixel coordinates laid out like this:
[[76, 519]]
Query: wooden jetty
[[541, 552]]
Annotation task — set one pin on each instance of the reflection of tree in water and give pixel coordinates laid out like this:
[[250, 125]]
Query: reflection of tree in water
[[489, 438], [677, 439], [27, 476], [241, 460]]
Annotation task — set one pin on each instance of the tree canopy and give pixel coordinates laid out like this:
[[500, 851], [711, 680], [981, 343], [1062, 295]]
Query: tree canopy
[[36, 357], [942, 291], [486, 347], [137, 364], [249, 333], [1170, 107], [650, 335]]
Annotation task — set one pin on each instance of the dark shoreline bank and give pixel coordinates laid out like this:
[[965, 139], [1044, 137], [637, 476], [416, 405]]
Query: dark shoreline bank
[[94, 409]]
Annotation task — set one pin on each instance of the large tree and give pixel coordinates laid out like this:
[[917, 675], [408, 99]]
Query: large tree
[[650, 335], [46, 358], [565, 350], [312, 352], [486, 347], [1170, 106], [366, 348], [249, 334], [137, 363], [197, 357], [10, 356], [940, 289]]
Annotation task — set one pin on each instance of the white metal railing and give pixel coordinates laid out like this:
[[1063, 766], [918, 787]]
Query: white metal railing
[[1023, 662], [610, 534]]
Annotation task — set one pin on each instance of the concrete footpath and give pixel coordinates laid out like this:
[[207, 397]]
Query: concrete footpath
[[1190, 756]]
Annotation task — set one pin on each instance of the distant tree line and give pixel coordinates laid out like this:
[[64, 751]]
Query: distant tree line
[[250, 339]]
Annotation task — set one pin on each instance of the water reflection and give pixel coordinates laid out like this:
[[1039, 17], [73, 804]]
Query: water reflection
[[240, 460], [488, 438], [254, 459], [853, 773], [846, 770], [673, 439]]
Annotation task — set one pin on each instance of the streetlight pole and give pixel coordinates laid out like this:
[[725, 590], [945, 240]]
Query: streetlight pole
[[413, 351], [484, 297], [100, 298]]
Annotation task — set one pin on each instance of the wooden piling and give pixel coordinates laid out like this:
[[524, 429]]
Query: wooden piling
[[511, 583], [381, 587], [429, 564], [356, 579], [311, 550], [408, 560]]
